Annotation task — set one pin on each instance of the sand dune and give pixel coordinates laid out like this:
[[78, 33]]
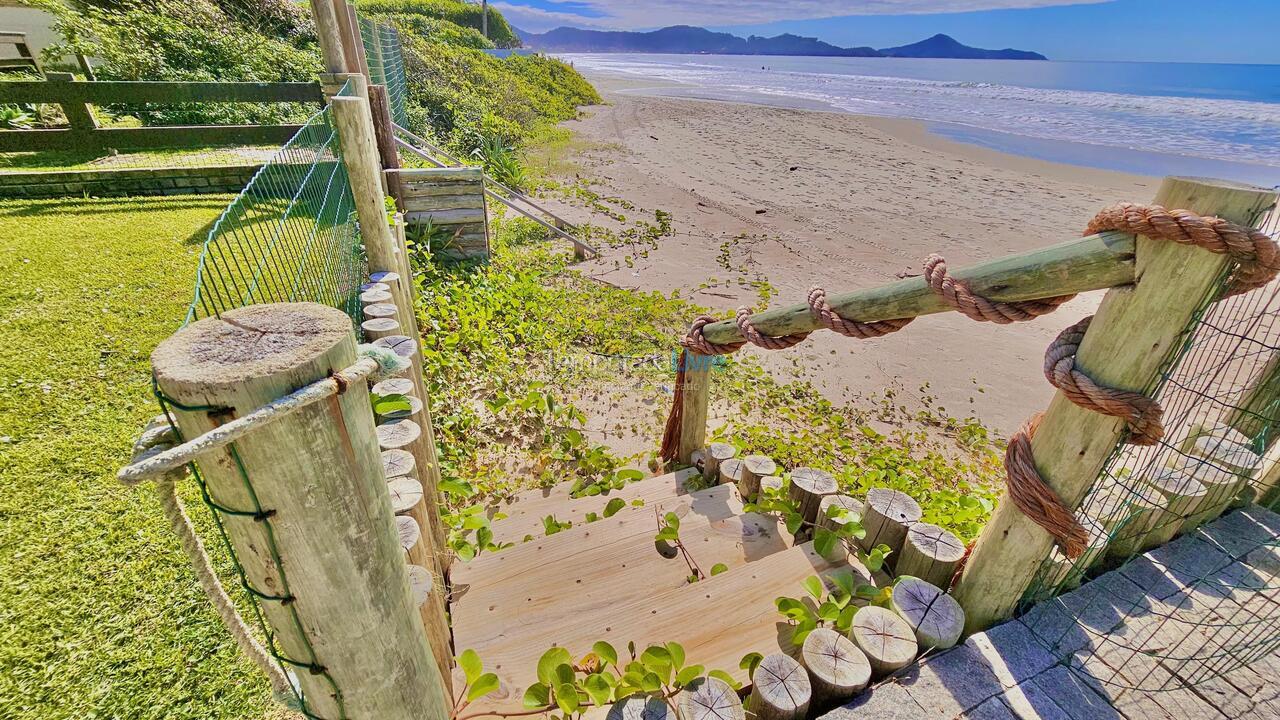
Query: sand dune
[[847, 202]]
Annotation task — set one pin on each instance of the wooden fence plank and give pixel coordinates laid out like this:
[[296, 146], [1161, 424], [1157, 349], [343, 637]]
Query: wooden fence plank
[[125, 92]]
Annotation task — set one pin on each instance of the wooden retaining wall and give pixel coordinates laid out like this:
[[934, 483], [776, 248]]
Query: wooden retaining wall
[[452, 199]]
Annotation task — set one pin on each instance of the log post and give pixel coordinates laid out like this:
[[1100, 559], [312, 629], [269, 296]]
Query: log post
[[693, 412], [642, 707], [1224, 467], [780, 689], [755, 467], [886, 517], [380, 108], [350, 35], [808, 487], [886, 639], [305, 494], [1182, 493], [931, 554], [706, 698], [1134, 330], [935, 617], [712, 456], [330, 35], [731, 472], [838, 670], [840, 550], [364, 171]]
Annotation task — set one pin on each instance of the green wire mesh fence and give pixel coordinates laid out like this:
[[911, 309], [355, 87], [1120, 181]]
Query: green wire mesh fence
[[290, 235], [1199, 608], [386, 64]]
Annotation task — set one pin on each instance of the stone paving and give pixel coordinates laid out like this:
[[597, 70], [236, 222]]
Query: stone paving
[[1160, 638]]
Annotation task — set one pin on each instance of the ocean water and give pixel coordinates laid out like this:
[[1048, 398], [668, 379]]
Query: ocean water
[[1148, 118]]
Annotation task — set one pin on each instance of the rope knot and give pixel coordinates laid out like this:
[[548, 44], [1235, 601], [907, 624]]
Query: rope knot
[[957, 294], [831, 320]]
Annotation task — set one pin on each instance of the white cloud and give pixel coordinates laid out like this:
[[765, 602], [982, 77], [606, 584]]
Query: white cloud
[[639, 14]]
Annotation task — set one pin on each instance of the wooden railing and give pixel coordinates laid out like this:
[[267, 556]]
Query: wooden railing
[[1155, 288], [77, 98]]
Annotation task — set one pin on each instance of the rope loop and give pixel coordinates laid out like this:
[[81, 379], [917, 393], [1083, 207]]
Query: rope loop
[[957, 294], [1254, 250], [697, 342], [831, 320], [1142, 414], [768, 342], [1035, 498]]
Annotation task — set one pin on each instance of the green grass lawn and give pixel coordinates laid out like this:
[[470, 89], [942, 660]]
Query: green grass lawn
[[100, 614]]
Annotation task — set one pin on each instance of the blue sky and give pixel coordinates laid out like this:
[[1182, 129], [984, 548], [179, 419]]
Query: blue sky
[[1241, 31]]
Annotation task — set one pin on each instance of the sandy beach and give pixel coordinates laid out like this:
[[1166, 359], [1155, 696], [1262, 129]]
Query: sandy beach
[[802, 198]]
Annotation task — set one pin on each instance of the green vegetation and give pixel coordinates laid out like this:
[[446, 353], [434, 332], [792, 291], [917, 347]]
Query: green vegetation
[[100, 614], [454, 12], [195, 40]]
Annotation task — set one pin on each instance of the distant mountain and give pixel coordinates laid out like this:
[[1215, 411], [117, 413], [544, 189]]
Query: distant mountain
[[945, 46], [684, 39]]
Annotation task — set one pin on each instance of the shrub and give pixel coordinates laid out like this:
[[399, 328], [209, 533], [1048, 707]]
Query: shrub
[[191, 40], [454, 11]]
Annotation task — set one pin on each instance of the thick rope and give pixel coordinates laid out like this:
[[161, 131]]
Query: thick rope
[[1253, 250], [1142, 414], [697, 342], [755, 337], [857, 329], [157, 437], [957, 294], [1035, 498]]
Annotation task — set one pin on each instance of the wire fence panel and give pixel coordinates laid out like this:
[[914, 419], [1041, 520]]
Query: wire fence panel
[[290, 236], [386, 64], [1193, 610]]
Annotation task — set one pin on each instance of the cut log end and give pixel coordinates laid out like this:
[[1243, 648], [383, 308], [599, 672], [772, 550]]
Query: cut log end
[[838, 670], [808, 487], [780, 689], [420, 584], [405, 493], [886, 639], [398, 463], [935, 617], [712, 456], [886, 517], [641, 707], [706, 698], [398, 434], [931, 554], [754, 468], [731, 472]]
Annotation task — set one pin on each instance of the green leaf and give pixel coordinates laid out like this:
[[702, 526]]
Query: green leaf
[[613, 506], [605, 652], [485, 684], [548, 663], [598, 688], [564, 674], [471, 665], [567, 698], [676, 651], [719, 568], [537, 696], [794, 522], [688, 675], [824, 542], [845, 621], [629, 474], [667, 534], [749, 662], [651, 682], [673, 520], [813, 585], [727, 678], [842, 580]]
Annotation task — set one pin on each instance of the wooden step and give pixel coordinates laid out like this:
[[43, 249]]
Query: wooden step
[[526, 511], [597, 564], [717, 620]]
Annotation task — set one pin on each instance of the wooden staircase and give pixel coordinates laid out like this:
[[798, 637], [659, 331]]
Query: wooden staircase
[[606, 580]]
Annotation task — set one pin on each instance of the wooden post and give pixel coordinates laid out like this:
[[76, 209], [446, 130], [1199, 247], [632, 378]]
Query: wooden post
[[886, 517], [706, 698], [1132, 333], [380, 107], [79, 113], [931, 554], [755, 467], [350, 37], [886, 639], [838, 670], [731, 472], [780, 689], [693, 420], [715, 454], [310, 518], [330, 35], [646, 707], [808, 487], [936, 617]]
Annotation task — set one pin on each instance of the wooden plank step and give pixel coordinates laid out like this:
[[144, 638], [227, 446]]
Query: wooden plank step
[[717, 620], [597, 564], [526, 511]]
